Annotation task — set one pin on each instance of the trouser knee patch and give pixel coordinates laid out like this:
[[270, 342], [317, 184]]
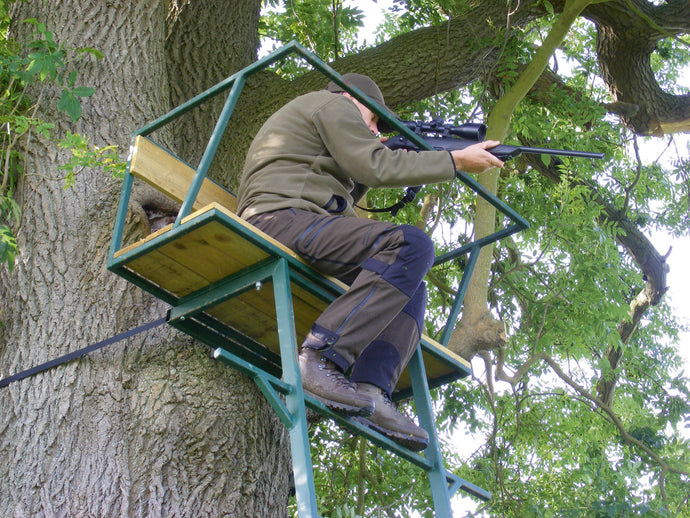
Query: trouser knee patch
[[416, 306], [414, 260]]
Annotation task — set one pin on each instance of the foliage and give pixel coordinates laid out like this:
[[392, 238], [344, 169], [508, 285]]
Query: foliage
[[27, 76], [354, 478], [312, 24], [543, 444], [85, 154]]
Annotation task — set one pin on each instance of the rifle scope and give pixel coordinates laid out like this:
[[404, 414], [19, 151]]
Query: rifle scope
[[471, 131]]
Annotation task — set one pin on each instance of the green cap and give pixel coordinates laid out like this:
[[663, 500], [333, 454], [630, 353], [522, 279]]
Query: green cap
[[367, 86]]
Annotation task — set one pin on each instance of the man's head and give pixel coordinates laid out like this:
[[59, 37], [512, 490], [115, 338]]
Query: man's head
[[368, 87]]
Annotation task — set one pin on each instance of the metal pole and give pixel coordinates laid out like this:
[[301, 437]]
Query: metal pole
[[425, 412], [299, 433]]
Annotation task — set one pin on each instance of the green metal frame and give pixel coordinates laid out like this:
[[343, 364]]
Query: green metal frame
[[286, 396]]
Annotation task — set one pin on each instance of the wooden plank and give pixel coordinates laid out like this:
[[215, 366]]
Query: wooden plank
[[170, 175], [217, 237], [444, 351], [308, 307], [213, 251], [241, 314], [166, 273], [254, 314], [143, 241]]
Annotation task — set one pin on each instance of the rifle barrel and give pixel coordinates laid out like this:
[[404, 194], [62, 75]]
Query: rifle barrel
[[502, 151], [561, 152]]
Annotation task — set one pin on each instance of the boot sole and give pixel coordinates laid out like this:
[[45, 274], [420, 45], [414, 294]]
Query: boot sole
[[342, 408], [408, 441]]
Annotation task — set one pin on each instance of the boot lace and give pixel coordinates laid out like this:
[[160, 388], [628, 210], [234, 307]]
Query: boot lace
[[387, 400], [333, 373]]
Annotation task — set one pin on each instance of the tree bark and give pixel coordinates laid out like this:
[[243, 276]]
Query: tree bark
[[203, 47], [150, 426]]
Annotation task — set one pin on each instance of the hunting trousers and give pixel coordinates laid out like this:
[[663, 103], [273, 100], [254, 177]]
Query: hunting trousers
[[372, 330]]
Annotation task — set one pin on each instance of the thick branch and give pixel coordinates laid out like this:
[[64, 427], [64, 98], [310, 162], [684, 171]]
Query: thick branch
[[627, 34], [475, 311]]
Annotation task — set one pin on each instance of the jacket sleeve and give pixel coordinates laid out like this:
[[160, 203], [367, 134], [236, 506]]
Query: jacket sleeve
[[363, 157]]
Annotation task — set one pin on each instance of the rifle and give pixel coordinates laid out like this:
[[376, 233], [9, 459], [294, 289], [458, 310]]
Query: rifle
[[448, 138], [459, 137]]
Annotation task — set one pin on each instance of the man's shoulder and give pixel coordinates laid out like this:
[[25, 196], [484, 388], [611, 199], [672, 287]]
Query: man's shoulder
[[320, 99]]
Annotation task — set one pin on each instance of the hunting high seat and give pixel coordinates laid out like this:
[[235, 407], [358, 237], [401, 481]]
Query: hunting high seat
[[252, 300]]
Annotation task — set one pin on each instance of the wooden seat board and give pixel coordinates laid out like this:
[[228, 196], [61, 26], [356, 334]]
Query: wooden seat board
[[164, 267], [216, 244], [212, 251], [241, 313], [434, 368], [138, 244], [197, 252], [305, 314], [196, 259], [167, 173]]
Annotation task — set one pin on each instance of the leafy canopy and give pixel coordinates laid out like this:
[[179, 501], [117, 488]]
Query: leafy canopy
[[541, 442]]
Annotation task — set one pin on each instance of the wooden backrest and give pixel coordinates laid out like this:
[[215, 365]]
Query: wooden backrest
[[170, 175]]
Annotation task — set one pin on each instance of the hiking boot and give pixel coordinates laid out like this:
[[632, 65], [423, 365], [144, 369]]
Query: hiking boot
[[322, 379], [389, 422]]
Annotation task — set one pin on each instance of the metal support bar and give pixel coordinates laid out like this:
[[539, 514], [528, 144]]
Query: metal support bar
[[425, 413], [122, 208], [481, 242], [358, 428], [217, 89], [460, 296], [457, 483], [299, 433], [269, 385], [221, 290], [211, 149]]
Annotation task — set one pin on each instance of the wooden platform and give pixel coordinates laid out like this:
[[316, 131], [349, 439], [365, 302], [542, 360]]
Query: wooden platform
[[208, 266]]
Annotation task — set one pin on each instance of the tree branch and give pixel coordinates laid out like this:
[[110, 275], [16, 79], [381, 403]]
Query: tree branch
[[665, 467], [598, 402]]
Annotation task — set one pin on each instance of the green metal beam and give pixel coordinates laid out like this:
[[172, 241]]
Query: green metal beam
[[299, 432]]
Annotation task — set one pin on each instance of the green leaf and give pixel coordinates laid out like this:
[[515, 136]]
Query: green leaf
[[83, 91], [89, 50], [69, 104], [8, 247]]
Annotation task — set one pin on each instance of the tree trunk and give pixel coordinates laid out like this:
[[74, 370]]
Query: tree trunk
[[149, 426]]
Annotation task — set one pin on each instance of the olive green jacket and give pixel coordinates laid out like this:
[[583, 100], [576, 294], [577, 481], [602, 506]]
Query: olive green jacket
[[316, 153]]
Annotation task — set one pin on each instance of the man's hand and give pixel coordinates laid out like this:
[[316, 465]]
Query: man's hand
[[476, 158]]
